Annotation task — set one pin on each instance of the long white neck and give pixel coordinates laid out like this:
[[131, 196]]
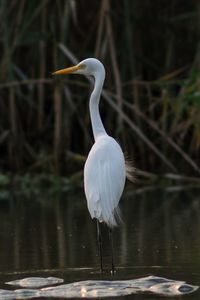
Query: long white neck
[[97, 125]]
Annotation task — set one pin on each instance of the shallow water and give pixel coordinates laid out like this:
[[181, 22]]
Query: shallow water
[[52, 235]]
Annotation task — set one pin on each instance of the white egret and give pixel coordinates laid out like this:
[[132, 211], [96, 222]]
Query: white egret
[[104, 171]]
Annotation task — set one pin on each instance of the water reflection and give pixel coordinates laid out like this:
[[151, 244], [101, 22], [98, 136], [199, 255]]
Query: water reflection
[[160, 234], [165, 226], [43, 231]]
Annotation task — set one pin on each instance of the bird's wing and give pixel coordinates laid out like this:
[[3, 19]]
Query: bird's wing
[[104, 178]]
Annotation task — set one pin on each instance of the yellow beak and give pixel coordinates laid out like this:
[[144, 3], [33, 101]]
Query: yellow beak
[[67, 70]]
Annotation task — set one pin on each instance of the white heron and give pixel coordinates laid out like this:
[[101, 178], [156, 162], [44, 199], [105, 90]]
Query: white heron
[[105, 170]]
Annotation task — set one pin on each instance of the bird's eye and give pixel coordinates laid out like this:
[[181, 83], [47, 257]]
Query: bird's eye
[[82, 66]]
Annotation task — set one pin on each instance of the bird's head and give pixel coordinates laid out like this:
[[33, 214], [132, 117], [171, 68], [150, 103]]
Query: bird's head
[[89, 66]]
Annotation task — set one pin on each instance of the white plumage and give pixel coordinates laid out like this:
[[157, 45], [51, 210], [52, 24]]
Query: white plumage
[[104, 172], [104, 179]]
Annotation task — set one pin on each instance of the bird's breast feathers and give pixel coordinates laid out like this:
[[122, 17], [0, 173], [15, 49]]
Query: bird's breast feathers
[[104, 177]]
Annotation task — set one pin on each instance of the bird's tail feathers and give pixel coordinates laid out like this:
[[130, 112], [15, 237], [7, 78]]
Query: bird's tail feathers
[[115, 219]]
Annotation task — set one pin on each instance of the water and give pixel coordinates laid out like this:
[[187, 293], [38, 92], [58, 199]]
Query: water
[[47, 235]]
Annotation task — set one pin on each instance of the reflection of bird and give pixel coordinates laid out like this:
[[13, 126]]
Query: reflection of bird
[[104, 172]]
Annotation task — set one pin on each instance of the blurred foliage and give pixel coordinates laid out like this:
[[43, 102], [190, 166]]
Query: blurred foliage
[[152, 105], [29, 183]]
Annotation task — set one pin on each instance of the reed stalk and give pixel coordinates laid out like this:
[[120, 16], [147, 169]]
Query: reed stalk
[[151, 95]]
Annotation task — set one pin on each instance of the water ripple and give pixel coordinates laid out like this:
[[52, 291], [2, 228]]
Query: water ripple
[[35, 282], [96, 288]]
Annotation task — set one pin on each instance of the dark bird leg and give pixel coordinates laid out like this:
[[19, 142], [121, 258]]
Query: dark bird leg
[[112, 252], [100, 245]]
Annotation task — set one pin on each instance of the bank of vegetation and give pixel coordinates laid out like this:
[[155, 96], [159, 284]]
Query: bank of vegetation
[[151, 99]]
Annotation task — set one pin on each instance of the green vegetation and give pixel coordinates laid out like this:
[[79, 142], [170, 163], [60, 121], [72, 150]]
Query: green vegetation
[[151, 101]]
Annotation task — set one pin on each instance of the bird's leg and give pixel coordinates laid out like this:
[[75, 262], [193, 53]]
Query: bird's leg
[[112, 252], [100, 245]]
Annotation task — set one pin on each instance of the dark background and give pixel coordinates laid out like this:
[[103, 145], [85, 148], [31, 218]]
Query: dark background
[[150, 50]]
